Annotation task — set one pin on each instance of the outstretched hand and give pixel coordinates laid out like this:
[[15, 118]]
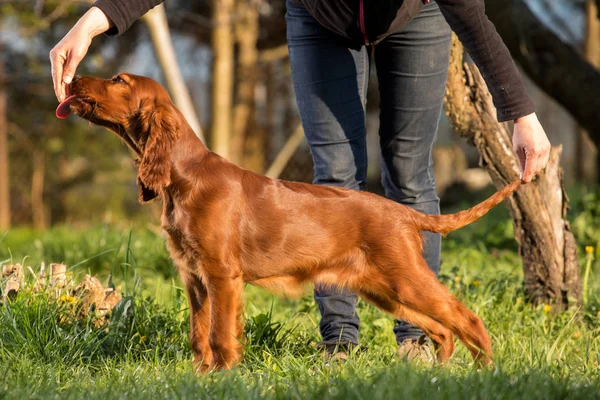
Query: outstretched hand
[[68, 53], [531, 145]]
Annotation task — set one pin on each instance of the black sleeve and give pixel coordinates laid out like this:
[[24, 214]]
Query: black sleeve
[[123, 13], [477, 33]]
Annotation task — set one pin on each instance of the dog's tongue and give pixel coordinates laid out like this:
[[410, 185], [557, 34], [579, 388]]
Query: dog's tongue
[[63, 110]]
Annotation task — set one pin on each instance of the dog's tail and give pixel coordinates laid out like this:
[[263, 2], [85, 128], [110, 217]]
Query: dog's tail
[[447, 223]]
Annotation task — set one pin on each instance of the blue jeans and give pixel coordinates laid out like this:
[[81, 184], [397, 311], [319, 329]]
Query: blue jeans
[[330, 75]]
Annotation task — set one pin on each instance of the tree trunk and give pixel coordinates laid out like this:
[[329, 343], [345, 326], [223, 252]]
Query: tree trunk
[[546, 244], [222, 74], [38, 208], [553, 65], [156, 21], [247, 37], [586, 151], [4, 178]]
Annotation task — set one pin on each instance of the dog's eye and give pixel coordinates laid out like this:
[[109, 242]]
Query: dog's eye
[[118, 79]]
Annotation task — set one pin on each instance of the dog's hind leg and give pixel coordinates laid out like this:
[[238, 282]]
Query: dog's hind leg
[[419, 291], [442, 338], [423, 294], [403, 285]]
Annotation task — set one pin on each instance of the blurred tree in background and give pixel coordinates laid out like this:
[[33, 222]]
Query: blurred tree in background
[[233, 60]]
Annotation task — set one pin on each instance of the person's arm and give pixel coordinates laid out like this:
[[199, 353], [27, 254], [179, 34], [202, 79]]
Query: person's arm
[[124, 13], [478, 35], [106, 16]]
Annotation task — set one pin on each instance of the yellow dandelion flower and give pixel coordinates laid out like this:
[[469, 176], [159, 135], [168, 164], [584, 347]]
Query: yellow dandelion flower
[[65, 298], [576, 335], [476, 283], [547, 308], [457, 279], [519, 301], [599, 313], [589, 249]]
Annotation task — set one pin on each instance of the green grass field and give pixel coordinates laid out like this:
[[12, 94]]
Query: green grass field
[[144, 353]]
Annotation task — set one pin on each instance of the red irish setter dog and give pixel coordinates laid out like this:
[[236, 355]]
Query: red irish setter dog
[[226, 226]]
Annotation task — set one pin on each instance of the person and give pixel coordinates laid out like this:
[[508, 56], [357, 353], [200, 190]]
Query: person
[[331, 46]]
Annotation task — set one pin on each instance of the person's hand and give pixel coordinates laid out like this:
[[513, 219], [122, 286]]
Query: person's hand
[[68, 53], [531, 145]]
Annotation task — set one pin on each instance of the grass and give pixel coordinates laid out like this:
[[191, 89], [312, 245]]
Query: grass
[[145, 353]]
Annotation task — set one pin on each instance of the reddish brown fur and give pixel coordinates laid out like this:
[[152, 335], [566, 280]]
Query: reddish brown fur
[[226, 226]]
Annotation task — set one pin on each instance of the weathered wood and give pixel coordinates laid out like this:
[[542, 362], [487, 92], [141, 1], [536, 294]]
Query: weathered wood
[[58, 275], [12, 273], [546, 244]]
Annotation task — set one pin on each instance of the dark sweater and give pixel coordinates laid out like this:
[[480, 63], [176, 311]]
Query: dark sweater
[[383, 17]]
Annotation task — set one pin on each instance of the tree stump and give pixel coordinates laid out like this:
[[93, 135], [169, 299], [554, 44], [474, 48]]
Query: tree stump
[[546, 243], [12, 273]]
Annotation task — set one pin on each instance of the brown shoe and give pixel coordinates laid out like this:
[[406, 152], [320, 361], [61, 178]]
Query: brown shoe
[[419, 349], [336, 352], [338, 357]]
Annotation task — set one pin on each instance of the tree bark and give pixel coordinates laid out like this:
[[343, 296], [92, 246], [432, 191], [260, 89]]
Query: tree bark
[[222, 74], [546, 244], [553, 65], [156, 21], [4, 177]]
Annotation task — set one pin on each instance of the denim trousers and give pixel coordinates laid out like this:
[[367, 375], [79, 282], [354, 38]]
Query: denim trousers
[[330, 76]]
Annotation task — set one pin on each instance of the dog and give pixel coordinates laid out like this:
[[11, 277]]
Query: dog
[[225, 226]]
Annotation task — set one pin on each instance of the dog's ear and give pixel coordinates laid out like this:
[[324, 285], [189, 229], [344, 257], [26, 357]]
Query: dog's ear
[[160, 127]]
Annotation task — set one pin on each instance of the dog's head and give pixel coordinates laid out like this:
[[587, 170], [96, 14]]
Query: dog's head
[[140, 112]]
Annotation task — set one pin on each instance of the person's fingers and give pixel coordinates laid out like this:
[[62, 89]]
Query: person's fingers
[[57, 61], [522, 158], [70, 68], [531, 167]]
